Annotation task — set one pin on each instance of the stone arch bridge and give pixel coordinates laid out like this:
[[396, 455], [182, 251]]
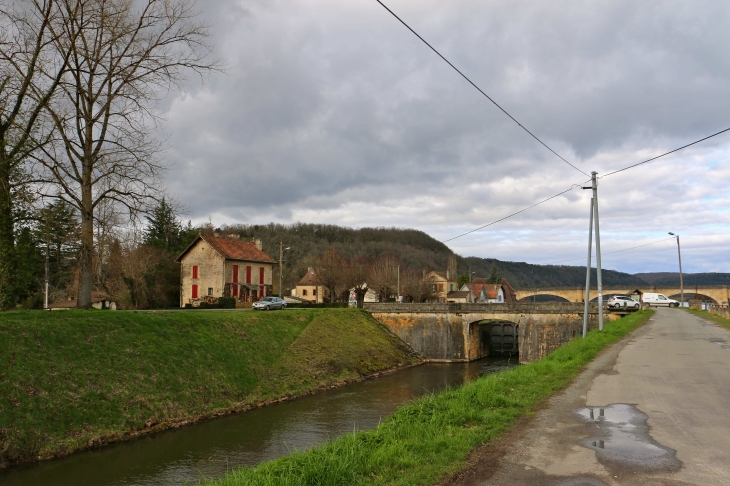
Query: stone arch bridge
[[458, 332], [720, 294]]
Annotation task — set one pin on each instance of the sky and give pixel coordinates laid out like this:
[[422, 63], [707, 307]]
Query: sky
[[333, 112]]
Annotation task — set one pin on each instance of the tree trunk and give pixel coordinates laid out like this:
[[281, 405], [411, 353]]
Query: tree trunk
[[8, 258], [87, 244]]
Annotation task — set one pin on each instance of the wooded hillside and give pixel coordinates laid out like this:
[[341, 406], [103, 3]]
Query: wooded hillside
[[413, 248]]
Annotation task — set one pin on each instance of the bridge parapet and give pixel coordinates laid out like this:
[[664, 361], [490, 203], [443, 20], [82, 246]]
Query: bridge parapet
[[505, 308]]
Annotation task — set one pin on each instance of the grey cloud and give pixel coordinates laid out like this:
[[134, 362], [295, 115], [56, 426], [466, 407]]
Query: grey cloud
[[335, 113]]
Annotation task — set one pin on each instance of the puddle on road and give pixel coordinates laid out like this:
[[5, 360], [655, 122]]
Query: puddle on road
[[622, 439]]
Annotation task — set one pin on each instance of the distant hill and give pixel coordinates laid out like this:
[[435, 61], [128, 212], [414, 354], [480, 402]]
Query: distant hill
[[672, 278], [413, 248]]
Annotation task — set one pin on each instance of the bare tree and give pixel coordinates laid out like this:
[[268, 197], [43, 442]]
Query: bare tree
[[124, 56], [330, 273], [414, 287], [383, 275], [29, 75], [355, 274]]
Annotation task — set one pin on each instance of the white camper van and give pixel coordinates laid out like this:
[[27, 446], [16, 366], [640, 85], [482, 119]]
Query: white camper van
[[658, 299]]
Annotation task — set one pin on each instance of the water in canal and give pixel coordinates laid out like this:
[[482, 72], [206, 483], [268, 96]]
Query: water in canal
[[208, 449]]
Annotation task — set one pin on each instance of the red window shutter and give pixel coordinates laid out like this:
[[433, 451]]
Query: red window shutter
[[261, 275], [235, 273], [195, 290], [248, 275], [235, 289], [195, 271]]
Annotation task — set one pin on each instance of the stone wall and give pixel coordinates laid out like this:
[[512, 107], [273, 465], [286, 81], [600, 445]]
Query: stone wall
[[450, 332]]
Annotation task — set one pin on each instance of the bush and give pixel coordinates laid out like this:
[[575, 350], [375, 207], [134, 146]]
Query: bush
[[324, 305], [227, 303]]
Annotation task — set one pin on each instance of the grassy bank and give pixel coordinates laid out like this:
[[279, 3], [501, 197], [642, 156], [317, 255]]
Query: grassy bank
[[711, 317], [72, 379], [422, 442]]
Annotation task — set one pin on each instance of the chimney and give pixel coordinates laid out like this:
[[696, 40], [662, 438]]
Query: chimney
[[258, 243], [216, 234]]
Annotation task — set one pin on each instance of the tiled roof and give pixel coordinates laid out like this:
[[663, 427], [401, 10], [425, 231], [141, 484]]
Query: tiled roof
[[233, 249], [492, 290], [309, 278], [458, 294]]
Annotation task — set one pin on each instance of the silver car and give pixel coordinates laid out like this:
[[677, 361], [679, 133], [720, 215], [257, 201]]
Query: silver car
[[622, 302], [268, 303]]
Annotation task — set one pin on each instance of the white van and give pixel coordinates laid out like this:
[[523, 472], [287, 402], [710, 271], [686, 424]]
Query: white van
[[658, 299]]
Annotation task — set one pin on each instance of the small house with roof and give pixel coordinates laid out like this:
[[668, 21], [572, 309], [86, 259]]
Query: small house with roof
[[213, 267], [484, 293], [309, 288], [441, 284]]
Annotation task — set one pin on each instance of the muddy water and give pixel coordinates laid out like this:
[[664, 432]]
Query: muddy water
[[209, 449]]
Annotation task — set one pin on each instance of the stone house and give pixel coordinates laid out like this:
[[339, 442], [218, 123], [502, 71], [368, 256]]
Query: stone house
[[441, 284], [308, 289], [459, 297], [213, 267]]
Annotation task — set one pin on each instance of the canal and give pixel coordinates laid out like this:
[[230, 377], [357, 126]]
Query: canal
[[208, 449]]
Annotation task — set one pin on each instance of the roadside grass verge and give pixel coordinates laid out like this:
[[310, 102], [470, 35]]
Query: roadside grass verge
[[430, 438], [723, 321], [75, 379]]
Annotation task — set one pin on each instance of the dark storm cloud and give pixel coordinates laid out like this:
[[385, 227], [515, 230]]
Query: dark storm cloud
[[334, 112]]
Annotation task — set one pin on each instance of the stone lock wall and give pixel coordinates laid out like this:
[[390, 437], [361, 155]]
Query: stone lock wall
[[450, 332]]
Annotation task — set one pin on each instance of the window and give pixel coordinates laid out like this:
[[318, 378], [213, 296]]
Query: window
[[235, 273], [195, 271], [261, 275], [304, 292], [195, 291], [210, 289], [314, 292], [248, 275], [441, 287]]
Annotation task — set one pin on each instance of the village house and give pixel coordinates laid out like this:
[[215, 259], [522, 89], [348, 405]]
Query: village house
[[213, 267], [484, 293], [441, 285], [309, 289]]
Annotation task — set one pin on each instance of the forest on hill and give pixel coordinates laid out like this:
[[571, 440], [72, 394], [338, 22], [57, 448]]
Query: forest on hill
[[414, 249], [672, 278]]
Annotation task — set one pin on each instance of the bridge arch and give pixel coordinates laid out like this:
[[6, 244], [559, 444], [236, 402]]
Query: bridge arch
[[494, 336], [542, 298], [692, 295]]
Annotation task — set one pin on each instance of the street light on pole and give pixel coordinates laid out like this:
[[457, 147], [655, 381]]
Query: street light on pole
[[679, 253]]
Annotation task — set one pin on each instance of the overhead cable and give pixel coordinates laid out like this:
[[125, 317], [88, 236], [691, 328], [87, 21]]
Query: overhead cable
[[513, 214], [478, 88], [667, 153], [611, 252]]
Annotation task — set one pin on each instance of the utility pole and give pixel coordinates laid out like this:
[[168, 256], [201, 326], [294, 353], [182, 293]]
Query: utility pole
[[681, 282], [598, 251], [397, 299], [594, 212], [588, 273], [281, 272]]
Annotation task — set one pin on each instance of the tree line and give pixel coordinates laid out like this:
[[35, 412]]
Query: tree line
[[80, 82]]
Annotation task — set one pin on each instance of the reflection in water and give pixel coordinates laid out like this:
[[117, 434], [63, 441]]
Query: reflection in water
[[209, 449]]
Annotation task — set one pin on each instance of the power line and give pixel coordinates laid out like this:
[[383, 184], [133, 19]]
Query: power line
[[478, 88], [667, 153], [611, 252], [513, 214]]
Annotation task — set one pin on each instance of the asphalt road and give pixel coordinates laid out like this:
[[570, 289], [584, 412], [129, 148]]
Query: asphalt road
[[654, 409]]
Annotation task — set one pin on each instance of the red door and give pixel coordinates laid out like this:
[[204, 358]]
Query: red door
[[195, 291]]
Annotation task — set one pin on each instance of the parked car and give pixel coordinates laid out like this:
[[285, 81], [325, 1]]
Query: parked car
[[658, 299], [622, 302], [268, 303]]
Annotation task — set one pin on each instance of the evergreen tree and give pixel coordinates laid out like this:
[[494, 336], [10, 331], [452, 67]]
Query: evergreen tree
[[164, 231], [494, 276], [463, 280], [57, 232]]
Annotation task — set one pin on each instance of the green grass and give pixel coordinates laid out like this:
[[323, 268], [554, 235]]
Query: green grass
[[723, 321], [423, 441], [69, 379]]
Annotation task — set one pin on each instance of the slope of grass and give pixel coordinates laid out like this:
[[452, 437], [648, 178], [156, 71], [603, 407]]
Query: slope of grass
[[73, 379], [712, 317], [422, 442]]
